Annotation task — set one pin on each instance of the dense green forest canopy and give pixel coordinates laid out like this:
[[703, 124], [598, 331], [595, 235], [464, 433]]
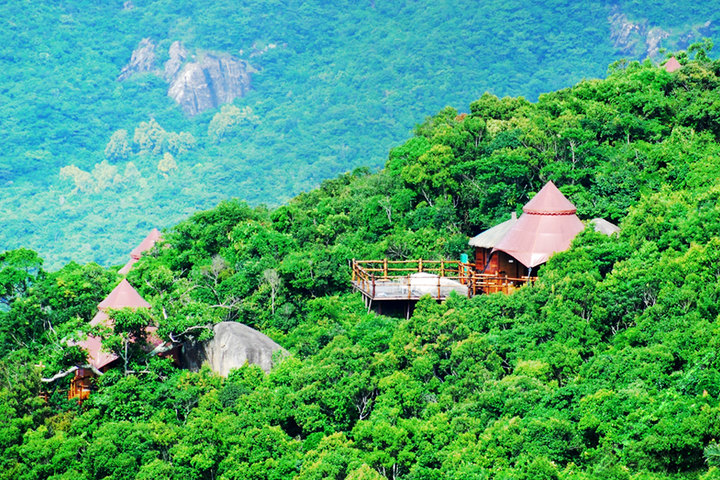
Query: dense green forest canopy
[[607, 367], [90, 164]]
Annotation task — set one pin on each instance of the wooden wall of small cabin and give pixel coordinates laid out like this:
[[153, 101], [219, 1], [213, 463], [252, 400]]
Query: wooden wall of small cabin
[[500, 264], [81, 384], [507, 265], [481, 258], [173, 354], [482, 255]]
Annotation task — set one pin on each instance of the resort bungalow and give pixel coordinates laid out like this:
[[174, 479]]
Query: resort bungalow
[[516, 248], [98, 359]]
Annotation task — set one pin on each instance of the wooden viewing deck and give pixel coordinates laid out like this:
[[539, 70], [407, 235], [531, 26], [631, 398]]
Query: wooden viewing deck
[[407, 280]]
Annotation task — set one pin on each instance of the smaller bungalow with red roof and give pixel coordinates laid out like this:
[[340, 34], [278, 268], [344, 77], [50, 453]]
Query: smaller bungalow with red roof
[[100, 360]]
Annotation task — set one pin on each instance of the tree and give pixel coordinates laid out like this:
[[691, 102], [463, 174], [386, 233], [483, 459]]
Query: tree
[[128, 337], [273, 279], [167, 164], [18, 270], [150, 136], [83, 180], [431, 172], [118, 147], [103, 173]]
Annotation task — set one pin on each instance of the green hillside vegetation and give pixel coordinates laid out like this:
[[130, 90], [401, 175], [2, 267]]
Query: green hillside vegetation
[[90, 164], [606, 368]]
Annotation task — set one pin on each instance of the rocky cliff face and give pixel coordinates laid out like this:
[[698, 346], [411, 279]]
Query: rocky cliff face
[[640, 39], [197, 82], [209, 82], [143, 60], [636, 39], [178, 54]]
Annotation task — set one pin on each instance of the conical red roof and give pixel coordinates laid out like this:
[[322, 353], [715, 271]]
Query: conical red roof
[[549, 201], [146, 244], [123, 296], [96, 356], [672, 65], [548, 225], [128, 266]]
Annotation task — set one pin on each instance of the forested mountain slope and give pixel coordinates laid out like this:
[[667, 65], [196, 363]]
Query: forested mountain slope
[[90, 164], [606, 367]]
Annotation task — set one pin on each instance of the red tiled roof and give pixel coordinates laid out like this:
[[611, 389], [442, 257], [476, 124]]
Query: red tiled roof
[[122, 296], [126, 269], [672, 65], [99, 358], [146, 244], [549, 201]]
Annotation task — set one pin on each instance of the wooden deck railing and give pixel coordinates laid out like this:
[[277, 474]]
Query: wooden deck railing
[[393, 279], [393, 268], [485, 283]]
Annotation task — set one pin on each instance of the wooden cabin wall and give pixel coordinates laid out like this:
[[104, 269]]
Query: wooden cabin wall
[[81, 384], [481, 257], [507, 265], [173, 354], [500, 264]]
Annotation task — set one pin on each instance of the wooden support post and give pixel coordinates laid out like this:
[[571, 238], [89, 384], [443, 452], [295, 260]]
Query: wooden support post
[[439, 288], [420, 265], [385, 269], [442, 268], [373, 288]]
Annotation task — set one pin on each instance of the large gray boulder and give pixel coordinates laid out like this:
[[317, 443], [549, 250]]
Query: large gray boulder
[[233, 345]]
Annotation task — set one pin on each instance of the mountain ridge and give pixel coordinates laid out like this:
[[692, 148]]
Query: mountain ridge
[[340, 88]]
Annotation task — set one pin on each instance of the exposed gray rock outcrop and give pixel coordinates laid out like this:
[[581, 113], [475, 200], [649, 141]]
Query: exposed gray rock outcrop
[[209, 82], [143, 60], [233, 345], [178, 54], [640, 39], [652, 41], [197, 82], [626, 35]]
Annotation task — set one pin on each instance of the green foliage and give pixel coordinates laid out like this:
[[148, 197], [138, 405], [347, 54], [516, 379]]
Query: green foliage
[[606, 367], [18, 271], [334, 87]]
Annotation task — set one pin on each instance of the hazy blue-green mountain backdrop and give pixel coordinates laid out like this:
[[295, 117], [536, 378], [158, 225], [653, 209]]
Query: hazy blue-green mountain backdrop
[[95, 152]]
